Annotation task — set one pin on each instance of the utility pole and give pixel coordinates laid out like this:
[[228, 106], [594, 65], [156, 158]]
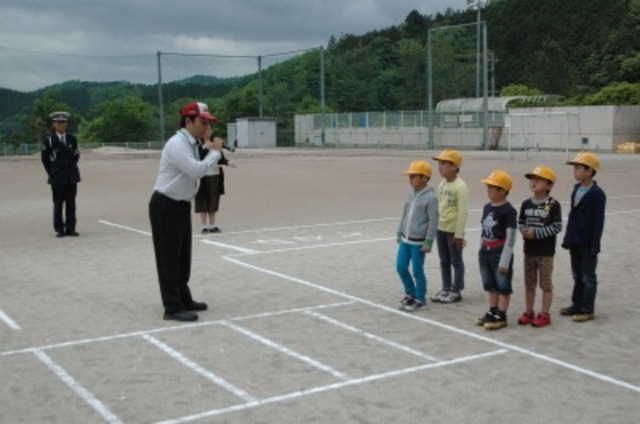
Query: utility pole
[[160, 98]]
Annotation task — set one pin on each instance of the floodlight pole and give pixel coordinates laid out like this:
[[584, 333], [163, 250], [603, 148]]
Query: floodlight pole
[[485, 89], [260, 86], [430, 91], [322, 98], [431, 143], [160, 98], [478, 5]]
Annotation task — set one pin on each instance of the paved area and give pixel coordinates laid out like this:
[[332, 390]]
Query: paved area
[[303, 324]]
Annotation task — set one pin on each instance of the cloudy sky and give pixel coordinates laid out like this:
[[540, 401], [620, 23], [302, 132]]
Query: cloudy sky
[[43, 42]]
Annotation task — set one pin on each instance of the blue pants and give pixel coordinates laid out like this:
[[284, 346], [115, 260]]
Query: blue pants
[[585, 281], [450, 256], [492, 279], [412, 253]]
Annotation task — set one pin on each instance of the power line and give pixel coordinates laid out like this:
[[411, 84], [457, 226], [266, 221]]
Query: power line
[[74, 54]]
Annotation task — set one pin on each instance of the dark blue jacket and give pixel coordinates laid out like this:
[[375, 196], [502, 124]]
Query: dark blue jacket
[[586, 220], [60, 160]]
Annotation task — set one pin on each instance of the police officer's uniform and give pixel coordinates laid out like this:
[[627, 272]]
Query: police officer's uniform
[[60, 155]]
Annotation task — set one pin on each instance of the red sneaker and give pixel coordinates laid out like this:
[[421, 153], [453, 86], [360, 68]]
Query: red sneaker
[[526, 318], [542, 320]]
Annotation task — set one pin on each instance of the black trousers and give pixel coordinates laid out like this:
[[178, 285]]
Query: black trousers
[[64, 197], [171, 230]]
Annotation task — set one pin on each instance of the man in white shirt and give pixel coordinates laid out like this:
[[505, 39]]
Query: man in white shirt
[[179, 174]]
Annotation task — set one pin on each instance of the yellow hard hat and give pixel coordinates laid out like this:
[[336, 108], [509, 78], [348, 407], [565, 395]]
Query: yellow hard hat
[[419, 167], [450, 155], [587, 159], [543, 172], [500, 179]]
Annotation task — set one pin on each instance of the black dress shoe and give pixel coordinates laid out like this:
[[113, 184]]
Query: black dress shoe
[[197, 306], [72, 233], [181, 316], [59, 234]]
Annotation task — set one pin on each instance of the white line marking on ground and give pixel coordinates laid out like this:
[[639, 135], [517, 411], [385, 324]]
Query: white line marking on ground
[[335, 386], [84, 394], [173, 328], [124, 227], [304, 358], [7, 320], [301, 227], [228, 246], [372, 336], [528, 352], [623, 212], [320, 246], [198, 369]]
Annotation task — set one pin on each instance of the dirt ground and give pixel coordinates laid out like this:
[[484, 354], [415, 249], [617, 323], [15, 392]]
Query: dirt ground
[[303, 324]]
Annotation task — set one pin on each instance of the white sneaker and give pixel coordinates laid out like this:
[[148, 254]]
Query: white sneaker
[[452, 297], [440, 296]]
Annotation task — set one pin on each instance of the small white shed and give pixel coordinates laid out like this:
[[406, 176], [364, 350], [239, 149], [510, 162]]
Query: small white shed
[[253, 132]]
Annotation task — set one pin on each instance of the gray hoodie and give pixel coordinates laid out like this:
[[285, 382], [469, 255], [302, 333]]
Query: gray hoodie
[[419, 220]]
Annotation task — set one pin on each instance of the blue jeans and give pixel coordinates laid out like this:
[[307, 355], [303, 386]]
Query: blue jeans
[[492, 279], [585, 281], [412, 253], [450, 256]]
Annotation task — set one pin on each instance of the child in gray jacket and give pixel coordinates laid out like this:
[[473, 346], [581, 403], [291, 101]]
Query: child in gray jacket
[[415, 235]]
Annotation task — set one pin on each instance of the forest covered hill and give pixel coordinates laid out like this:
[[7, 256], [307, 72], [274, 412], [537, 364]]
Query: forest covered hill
[[588, 52]]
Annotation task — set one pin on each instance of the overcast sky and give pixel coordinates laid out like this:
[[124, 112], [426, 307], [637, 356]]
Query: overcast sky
[[43, 42]]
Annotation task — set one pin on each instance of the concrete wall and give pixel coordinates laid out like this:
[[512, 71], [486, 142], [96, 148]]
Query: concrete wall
[[592, 127]]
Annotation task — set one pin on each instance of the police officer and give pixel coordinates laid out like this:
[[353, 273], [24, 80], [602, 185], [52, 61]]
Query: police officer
[[60, 157]]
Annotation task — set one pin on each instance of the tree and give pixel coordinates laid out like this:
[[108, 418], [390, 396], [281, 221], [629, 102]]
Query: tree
[[616, 94], [123, 120], [40, 123]]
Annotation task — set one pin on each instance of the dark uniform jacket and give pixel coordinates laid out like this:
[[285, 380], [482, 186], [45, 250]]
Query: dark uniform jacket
[[586, 220], [60, 159]]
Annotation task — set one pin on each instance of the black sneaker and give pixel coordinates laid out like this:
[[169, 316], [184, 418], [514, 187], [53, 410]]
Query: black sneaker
[[215, 230], [413, 306], [406, 300], [181, 316], [497, 322], [197, 306], [487, 317], [569, 311]]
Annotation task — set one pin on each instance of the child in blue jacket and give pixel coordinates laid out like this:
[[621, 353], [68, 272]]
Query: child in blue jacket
[[583, 234]]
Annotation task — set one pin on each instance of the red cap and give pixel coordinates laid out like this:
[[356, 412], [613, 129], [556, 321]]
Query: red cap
[[198, 109]]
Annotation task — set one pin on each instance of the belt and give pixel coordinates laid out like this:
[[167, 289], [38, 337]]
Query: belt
[[420, 239], [492, 244]]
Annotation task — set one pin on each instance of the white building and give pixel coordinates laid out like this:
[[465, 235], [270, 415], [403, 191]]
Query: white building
[[459, 123]]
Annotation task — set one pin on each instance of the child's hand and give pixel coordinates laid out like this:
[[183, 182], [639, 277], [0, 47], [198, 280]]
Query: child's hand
[[459, 243], [528, 233], [425, 249], [503, 270]]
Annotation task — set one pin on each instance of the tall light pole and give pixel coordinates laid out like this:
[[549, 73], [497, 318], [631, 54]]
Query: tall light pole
[[478, 4]]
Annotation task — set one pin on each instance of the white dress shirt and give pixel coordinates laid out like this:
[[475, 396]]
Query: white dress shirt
[[180, 168]]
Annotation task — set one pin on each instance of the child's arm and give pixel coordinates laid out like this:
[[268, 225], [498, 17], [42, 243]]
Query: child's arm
[[463, 211], [507, 250], [522, 220], [554, 227], [598, 222], [432, 227], [402, 222]]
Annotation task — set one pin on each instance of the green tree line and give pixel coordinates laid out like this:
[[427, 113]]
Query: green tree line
[[586, 52]]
